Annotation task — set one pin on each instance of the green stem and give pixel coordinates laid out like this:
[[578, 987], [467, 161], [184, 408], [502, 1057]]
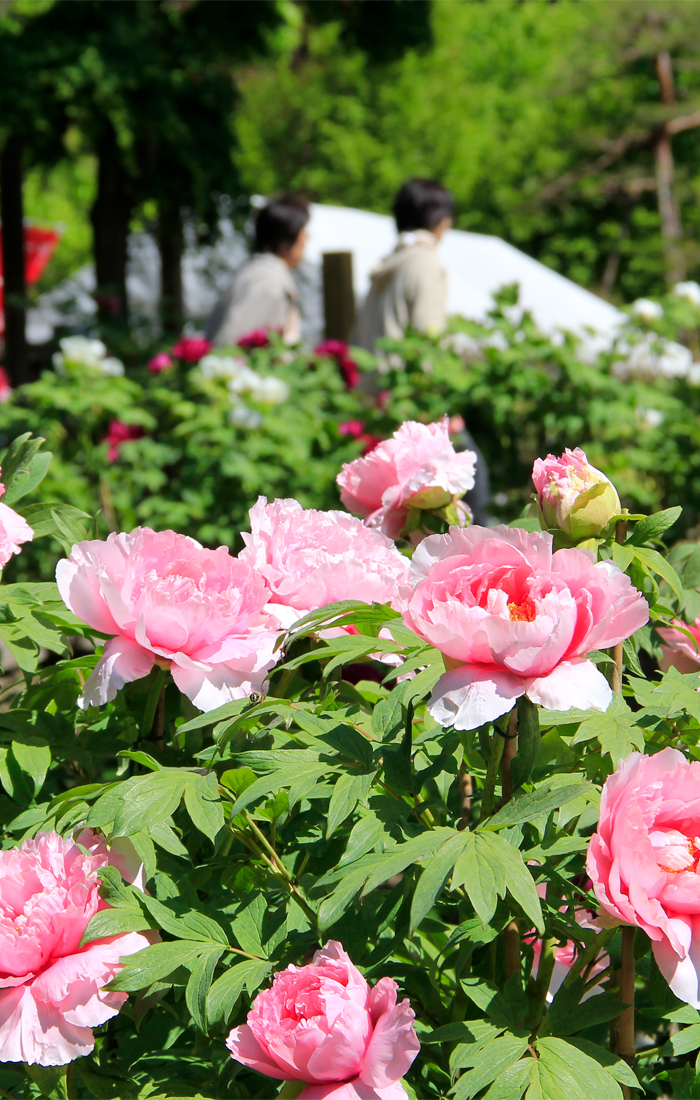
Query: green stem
[[548, 957], [269, 856], [487, 797], [617, 650], [587, 956], [284, 682]]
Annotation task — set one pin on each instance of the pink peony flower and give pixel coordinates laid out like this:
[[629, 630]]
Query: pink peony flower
[[323, 1024], [52, 990], [643, 860], [5, 387], [417, 468], [339, 350], [256, 338], [169, 602], [191, 349], [573, 495], [679, 651], [309, 559], [14, 530], [511, 618], [119, 433], [161, 362]]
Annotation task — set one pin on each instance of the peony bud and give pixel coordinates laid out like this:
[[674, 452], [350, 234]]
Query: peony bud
[[573, 495]]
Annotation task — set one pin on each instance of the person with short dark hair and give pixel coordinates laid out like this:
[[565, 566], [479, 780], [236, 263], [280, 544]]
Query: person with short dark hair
[[263, 294], [409, 287]]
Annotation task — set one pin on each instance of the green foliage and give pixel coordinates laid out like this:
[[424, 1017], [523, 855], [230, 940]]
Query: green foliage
[[332, 807]]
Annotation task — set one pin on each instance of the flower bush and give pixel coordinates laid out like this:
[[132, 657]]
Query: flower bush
[[312, 819]]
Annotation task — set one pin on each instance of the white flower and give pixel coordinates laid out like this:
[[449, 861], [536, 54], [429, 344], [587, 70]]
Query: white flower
[[222, 366], [244, 417], [82, 351], [244, 381], [647, 310], [269, 390], [651, 418], [464, 345], [653, 356], [111, 366], [690, 291]]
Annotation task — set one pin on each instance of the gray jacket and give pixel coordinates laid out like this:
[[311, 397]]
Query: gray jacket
[[263, 295], [409, 290]]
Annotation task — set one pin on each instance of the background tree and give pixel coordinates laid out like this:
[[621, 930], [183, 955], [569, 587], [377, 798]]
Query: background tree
[[548, 122], [32, 121]]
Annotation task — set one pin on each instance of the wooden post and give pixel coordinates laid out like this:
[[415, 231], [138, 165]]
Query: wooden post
[[338, 295], [12, 213]]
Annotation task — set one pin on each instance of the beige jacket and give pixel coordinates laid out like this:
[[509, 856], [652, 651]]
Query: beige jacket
[[263, 295], [409, 290]]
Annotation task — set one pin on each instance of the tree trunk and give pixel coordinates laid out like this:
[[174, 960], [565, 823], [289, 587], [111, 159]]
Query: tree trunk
[[671, 228], [170, 246], [12, 213], [110, 216]]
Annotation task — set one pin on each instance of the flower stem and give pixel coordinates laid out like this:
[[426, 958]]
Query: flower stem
[[511, 949], [497, 744], [270, 857], [509, 750], [617, 650], [622, 1028]]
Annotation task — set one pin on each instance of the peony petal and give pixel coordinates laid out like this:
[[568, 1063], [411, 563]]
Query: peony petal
[[246, 1049], [470, 695], [38, 1034], [576, 683], [392, 1049], [382, 998], [353, 1090], [221, 684], [682, 974], [122, 661]]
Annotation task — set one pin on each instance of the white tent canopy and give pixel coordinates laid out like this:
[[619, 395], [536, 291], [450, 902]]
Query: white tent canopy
[[477, 266]]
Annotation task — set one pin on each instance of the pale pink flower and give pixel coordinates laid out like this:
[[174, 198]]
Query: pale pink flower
[[511, 618], [167, 601], [680, 651], [417, 468], [643, 860], [52, 990], [14, 530], [573, 495], [325, 1025], [309, 559]]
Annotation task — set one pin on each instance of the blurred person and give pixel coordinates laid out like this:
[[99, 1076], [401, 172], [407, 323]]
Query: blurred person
[[409, 287], [409, 290], [263, 294]]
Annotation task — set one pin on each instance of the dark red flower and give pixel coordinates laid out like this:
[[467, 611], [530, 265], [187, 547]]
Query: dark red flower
[[339, 350], [257, 338], [119, 433], [191, 348]]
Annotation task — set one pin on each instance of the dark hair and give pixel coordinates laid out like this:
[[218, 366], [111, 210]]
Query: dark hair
[[422, 204], [278, 224]]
